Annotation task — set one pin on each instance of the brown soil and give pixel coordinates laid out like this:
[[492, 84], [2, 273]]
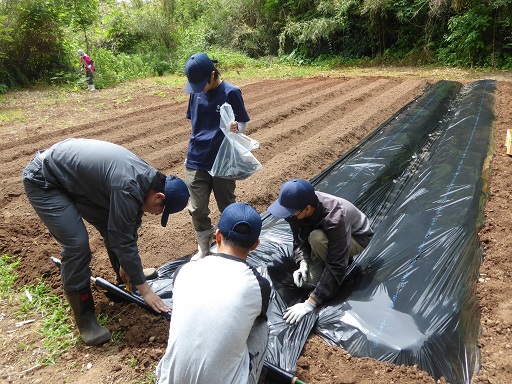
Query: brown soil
[[303, 125]]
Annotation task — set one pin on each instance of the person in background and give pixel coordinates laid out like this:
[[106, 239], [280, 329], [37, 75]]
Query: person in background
[[328, 232], [109, 187], [218, 331], [207, 93], [88, 66]]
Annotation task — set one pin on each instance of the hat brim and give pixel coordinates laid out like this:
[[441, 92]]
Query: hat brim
[[177, 203], [176, 197], [278, 210], [165, 218], [197, 87]]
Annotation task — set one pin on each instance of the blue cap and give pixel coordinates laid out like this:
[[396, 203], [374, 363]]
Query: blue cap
[[198, 69], [296, 194], [240, 213], [176, 197]]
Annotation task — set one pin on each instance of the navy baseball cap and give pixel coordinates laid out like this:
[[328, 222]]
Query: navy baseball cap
[[198, 69], [240, 213], [295, 194], [176, 197]]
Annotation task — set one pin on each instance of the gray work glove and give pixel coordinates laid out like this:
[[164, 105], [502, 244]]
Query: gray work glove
[[295, 313], [300, 276]]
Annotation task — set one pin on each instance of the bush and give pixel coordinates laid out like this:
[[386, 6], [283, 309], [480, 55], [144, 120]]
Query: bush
[[113, 69], [35, 49]]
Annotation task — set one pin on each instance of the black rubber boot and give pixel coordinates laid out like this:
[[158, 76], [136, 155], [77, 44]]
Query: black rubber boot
[[91, 331]]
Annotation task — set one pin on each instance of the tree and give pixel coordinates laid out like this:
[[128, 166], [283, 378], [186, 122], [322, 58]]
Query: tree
[[37, 47], [466, 38], [81, 16]]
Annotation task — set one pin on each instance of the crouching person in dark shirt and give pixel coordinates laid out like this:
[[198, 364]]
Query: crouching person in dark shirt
[[328, 232]]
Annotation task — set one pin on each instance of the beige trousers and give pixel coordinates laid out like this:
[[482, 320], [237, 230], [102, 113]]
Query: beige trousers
[[319, 246]]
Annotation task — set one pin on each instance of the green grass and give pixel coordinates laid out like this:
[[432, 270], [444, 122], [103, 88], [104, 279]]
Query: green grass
[[172, 81], [55, 97], [151, 379], [10, 116], [36, 302], [7, 275], [132, 361], [123, 100], [56, 329]]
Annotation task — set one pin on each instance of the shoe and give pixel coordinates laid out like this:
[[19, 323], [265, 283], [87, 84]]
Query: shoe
[[150, 273], [204, 240], [82, 304]]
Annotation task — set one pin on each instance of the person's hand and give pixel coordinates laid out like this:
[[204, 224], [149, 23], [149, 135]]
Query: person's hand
[[89, 66], [233, 127], [295, 313], [152, 299], [300, 276]]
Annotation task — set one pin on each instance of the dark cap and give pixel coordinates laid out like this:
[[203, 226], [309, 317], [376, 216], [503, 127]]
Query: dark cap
[[176, 197], [295, 194], [240, 213], [198, 69]]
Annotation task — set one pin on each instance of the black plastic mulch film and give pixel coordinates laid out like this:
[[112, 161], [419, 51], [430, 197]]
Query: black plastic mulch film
[[409, 298]]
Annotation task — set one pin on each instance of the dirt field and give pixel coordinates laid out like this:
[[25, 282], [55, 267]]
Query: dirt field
[[302, 125]]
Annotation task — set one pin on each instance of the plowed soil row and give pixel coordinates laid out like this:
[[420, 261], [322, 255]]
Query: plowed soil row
[[302, 125]]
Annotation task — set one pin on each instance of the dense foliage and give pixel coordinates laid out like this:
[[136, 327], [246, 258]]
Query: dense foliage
[[136, 38]]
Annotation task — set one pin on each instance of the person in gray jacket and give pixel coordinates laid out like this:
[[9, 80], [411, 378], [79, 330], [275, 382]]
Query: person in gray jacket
[[109, 187], [328, 232]]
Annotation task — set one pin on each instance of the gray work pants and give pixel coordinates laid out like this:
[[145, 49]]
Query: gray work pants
[[319, 247], [64, 216], [201, 184]]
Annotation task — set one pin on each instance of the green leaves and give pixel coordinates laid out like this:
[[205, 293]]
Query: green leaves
[[39, 38], [466, 40], [7, 274]]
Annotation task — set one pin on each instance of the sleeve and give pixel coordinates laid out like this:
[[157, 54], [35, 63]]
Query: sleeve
[[336, 263], [241, 126], [237, 103], [123, 224], [264, 291], [362, 231], [301, 249], [188, 115]]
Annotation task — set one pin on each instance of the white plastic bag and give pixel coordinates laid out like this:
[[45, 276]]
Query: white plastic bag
[[234, 159]]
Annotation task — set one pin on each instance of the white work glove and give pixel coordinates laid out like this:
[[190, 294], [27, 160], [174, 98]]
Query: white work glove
[[300, 276], [295, 313], [89, 66]]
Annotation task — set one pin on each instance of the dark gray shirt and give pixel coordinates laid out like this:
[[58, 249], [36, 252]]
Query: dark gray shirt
[[340, 220], [111, 182]]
